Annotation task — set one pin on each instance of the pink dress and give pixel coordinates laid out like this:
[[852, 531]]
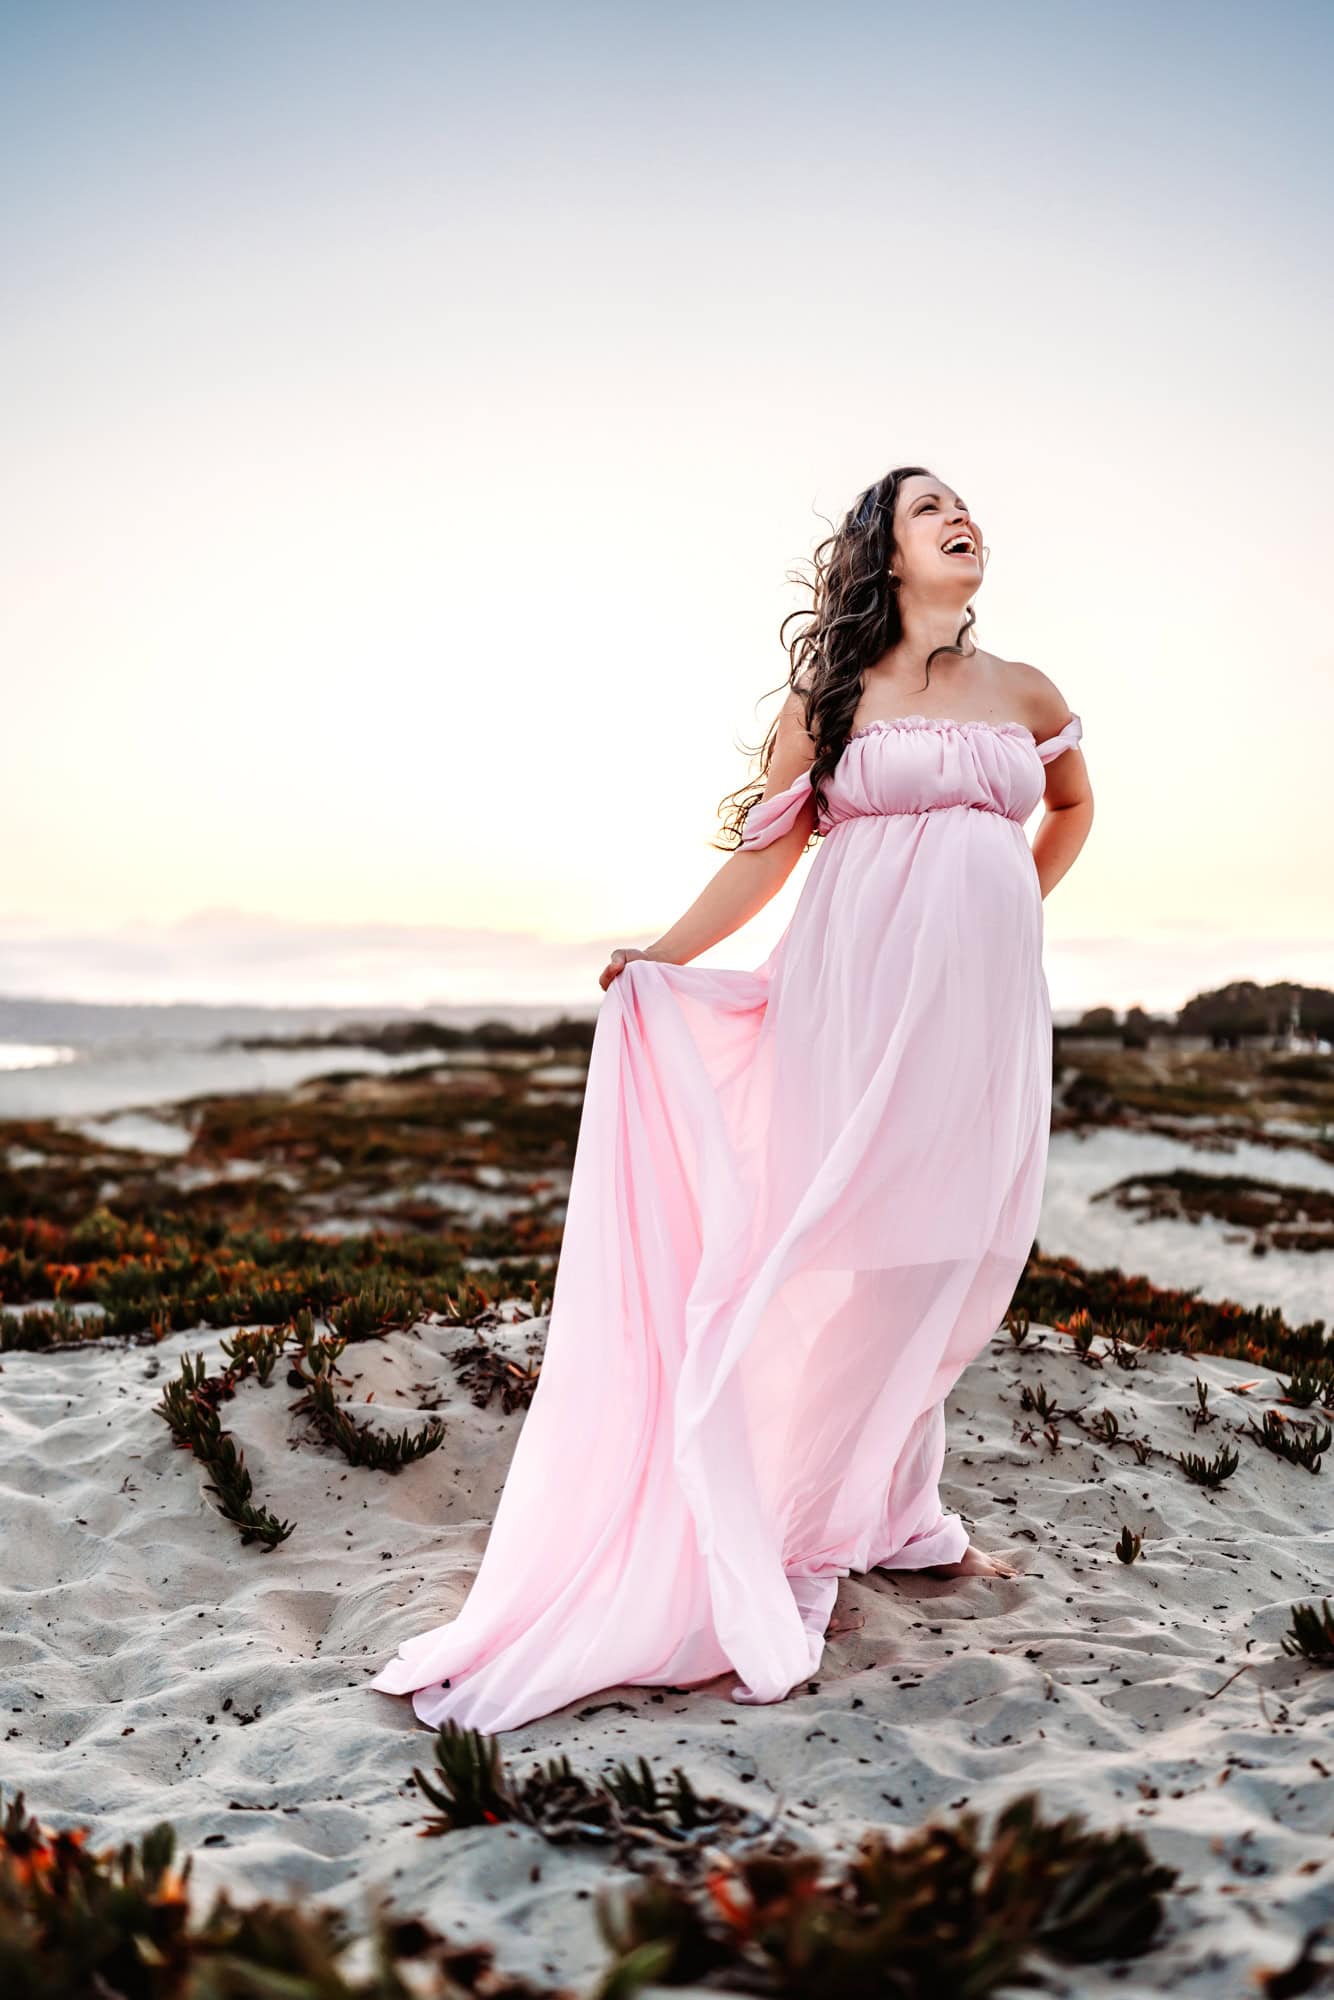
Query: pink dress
[[801, 1200]]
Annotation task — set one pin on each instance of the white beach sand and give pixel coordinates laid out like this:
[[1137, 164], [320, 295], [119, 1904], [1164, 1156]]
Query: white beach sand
[[153, 1667], [1172, 1251]]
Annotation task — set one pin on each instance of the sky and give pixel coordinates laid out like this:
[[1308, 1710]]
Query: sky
[[416, 417]]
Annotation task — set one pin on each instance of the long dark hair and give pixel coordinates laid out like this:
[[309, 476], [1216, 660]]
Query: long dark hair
[[853, 621]]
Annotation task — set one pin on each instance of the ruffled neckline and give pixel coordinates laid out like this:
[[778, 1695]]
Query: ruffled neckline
[[940, 723]]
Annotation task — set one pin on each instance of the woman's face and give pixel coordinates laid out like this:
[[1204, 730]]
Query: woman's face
[[930, 518]]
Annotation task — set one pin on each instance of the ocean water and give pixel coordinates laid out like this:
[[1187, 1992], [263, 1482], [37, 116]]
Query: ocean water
[[72, 1059]]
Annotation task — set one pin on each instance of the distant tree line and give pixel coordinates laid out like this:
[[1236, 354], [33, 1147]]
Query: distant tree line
[[1227, 1017]]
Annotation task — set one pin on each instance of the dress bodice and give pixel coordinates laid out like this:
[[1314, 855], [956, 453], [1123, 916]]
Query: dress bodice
[[918, 764]]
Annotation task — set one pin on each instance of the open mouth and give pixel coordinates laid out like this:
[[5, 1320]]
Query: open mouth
[[960, 545]]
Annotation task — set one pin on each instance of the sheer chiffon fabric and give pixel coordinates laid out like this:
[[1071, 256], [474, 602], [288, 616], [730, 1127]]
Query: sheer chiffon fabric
[[801, 1200]]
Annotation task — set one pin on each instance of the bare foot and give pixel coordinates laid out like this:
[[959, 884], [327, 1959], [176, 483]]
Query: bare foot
[[975, 1562], [852, 1621]]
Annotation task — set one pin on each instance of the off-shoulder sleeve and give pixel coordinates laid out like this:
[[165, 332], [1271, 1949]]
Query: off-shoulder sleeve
[[768, 818], [1066, 739]]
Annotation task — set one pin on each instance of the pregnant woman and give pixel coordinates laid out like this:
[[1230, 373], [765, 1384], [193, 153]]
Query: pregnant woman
[[802, 1196]]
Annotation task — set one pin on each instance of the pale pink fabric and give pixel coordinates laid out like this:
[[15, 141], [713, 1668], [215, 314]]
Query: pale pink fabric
[[802, 1198]]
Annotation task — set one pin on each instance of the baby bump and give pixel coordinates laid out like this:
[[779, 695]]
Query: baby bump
[[943, 889], [914, 963]]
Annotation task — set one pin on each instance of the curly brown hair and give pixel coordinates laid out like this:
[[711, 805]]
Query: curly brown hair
[[852, 622]]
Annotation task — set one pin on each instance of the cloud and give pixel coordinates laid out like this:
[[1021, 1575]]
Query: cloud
[[238, 957]]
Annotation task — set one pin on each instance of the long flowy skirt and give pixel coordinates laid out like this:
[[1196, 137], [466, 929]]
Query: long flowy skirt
[[801, 1200]]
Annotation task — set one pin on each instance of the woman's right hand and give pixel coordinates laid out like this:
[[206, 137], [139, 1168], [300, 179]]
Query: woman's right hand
[[617, 962]]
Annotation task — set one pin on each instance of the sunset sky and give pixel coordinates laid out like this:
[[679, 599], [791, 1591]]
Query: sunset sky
[[414, 411]]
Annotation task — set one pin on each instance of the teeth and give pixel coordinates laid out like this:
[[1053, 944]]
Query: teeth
[[959, 543]]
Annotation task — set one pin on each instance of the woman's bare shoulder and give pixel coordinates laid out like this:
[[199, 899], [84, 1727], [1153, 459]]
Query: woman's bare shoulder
[[792, 716], [1032, 697], [793, 749]]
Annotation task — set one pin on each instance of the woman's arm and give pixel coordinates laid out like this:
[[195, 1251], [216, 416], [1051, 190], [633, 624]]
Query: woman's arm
[[747, 880], [1067, 815], [750, 877], [1061, 833]]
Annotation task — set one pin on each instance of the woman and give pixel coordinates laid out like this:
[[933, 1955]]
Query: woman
[[802, 1196]]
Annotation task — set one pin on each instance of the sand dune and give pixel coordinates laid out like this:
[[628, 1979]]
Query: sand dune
[[153, 1667]]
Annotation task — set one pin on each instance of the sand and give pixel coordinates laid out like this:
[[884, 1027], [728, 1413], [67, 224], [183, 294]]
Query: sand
[[153, 1667], [1205, 1252]]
